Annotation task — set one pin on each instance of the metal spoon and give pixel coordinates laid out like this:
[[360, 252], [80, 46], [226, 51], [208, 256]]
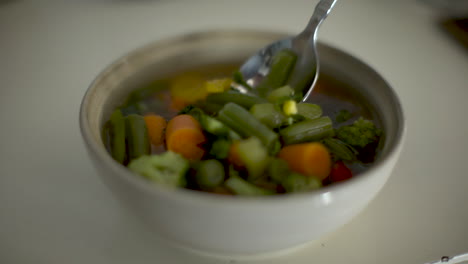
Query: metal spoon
[[306, 70]]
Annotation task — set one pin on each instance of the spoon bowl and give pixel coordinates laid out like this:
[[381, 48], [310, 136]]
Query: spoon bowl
[[306, 69]]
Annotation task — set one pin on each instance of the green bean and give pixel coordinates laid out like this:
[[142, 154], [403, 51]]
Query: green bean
[[117, 136], [210, 173], [244, 100], [281, 66], [340, 149], [244, 123], [310, 111], [138, 143], [269, 115], [307, 130], [280, 94]]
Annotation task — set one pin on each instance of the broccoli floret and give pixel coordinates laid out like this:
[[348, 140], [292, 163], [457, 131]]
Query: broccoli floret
[[343, 116], [168, 168], [361, 133]]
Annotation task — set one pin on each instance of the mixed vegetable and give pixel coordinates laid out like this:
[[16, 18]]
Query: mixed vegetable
[[201, 134]]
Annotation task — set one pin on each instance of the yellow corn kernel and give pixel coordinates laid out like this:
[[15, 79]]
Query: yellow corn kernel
[[290, 107]]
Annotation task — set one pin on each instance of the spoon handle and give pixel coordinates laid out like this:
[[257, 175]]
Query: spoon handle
[[322, 9]]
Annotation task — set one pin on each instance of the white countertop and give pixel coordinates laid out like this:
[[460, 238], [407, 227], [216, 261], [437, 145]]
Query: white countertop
[[55, 209]]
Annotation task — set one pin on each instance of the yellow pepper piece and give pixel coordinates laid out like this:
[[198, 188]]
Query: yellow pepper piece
[[217, 85]]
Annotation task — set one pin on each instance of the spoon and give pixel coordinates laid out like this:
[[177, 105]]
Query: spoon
[[306, 69]]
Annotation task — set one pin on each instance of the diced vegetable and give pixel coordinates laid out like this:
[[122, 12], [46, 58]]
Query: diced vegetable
[[220, 148], [217, 85], [310, 159], [296, 182], [309, 111], [340, 172], [187, 88], [210, 173], [307, 130], [185, 136], [138, 143], [282, 64], [269, 115], [254, 156], [244, 123], [340, 150], [242, 187], [239, 79], [279, 172], [278, 169], [168, 168], [156, 125], [290, 107], [233, 155], [280, 94], [212, 125], [361, 133], [117, 135], [343, 116], [244, 100]]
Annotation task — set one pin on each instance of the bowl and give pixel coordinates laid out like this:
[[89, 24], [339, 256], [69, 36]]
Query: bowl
[[229, 225]]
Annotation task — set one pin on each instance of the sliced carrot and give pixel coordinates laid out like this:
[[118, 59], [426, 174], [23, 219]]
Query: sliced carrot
[[185, 136], [233, 155], [156, 125], [311, 159]]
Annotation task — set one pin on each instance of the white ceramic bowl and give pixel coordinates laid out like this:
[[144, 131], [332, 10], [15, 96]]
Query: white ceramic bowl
[[227, 225]]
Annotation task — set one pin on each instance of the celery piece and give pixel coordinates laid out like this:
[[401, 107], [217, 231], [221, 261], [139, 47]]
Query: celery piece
[[268, 115], [117, 135], [242, 187], [254, 155], [210, 173], [279, 94], [137, 137], [309, 111], [244, 123], [307, 130], [282, 64], [244, 100]]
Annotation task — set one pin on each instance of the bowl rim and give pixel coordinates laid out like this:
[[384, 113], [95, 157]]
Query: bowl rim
[[192, 196]]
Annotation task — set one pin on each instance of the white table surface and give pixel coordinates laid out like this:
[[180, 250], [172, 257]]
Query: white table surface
[[55, 209]]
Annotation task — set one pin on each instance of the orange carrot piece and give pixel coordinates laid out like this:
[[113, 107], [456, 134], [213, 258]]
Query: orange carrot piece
[[185, 136], [310, 159], [233, 155], [156, 125]]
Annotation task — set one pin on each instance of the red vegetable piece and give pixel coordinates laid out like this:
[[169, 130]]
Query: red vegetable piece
[[340, 172]]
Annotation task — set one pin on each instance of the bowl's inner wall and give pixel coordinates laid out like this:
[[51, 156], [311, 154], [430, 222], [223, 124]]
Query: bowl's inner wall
[[165, 58]]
